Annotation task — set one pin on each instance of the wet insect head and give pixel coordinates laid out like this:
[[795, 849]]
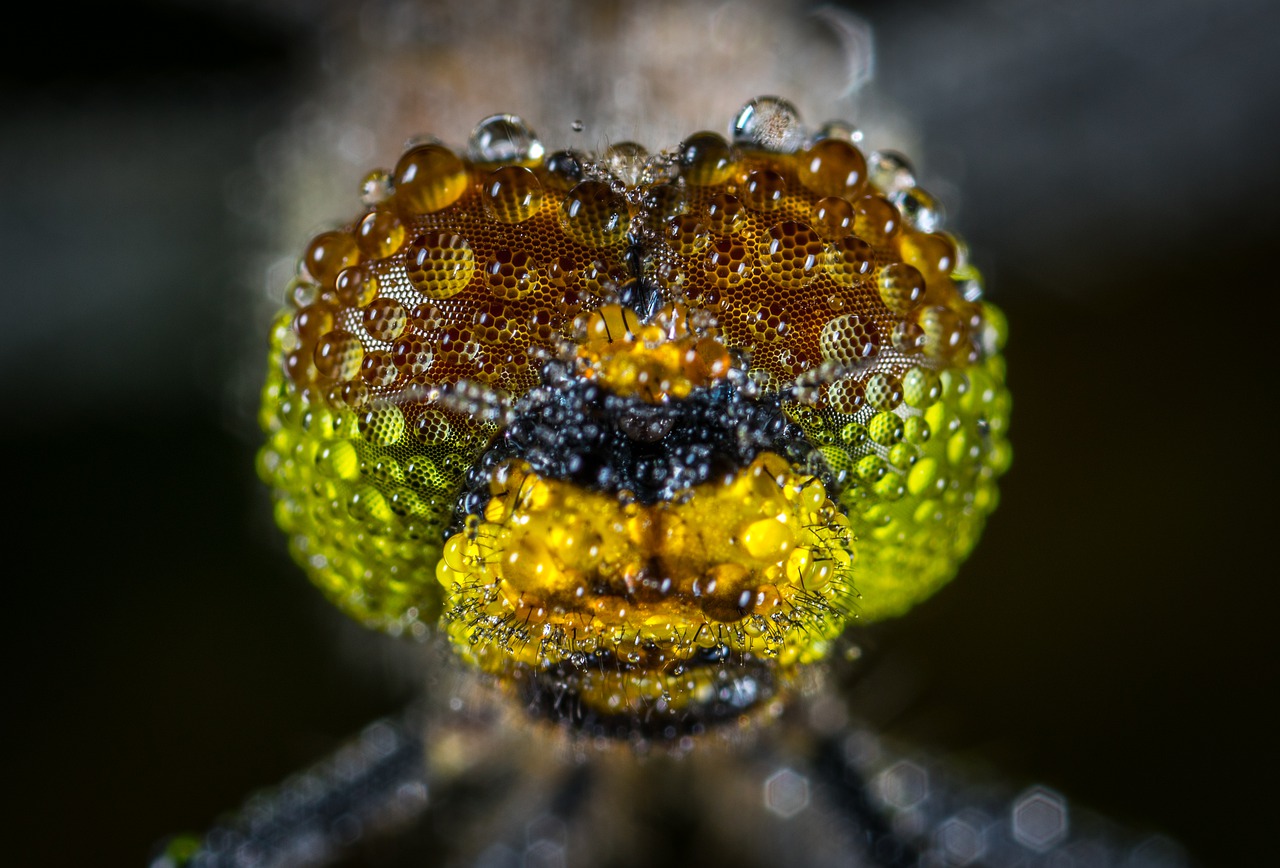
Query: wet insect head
[[642, 431]]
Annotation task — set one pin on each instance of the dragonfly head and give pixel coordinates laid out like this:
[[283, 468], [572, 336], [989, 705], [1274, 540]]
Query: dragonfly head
[[645, 433]]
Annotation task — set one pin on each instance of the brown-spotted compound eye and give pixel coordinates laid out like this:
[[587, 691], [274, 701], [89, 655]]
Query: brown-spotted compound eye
[[648, 434]]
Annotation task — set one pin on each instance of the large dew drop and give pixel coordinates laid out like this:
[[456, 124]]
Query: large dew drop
[[770, 123], [504, 139]]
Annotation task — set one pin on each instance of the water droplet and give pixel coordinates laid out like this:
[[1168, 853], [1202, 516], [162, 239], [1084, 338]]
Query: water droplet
[[439, 264], [661, 203], [945, 333], [382, 424], [376, 187], [764, 189], [564, 169], [504, 139], [833, 217], [767, 538], [380, 234], [594, 215], [883, 391], [512, 194], [429, 178], [727, 264], [875, 217], [769, 123], [412, 356], [850, 259], [378, 369], [312, 321], [510, 274], [790, 253], [919, 209], [933, 255], [354, 287], [687, 235], [921, 388], [889, 171], [849, 339], [706, 159], [338, 355], [384, 319], [901, 287], [327, 254], [842, 130], [832, 167], [724, 213], [577, 126], [969, 283], [626, 161], [908, 337]]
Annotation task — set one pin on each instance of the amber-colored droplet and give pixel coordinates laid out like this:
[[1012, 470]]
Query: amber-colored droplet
[[428, 178], [687, 234], [510, 274], [512, 194], [724, 213], [338, 355], [833, 217], [764, 189], [355, 287], [561, 272], [875, 217], [706, 159], [327, 254], [790, 253], [931, 254], [439, 264], [384, 319], [299, 366], [380, 234], [412, 356], [353, 394], [661, 202], [883, 391], [377, 369], [901, 287], [849, 339], [945, 332], [564, 169], [845, 396], [727, 262], [908, 337], [833, 167], [313, 321], [850, 259], [594, 215]]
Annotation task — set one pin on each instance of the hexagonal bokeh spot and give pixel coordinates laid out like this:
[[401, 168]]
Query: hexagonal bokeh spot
[[786, 793], [960, 840], [903, 785], [1040, 819], [544, 854], [1158, 852]]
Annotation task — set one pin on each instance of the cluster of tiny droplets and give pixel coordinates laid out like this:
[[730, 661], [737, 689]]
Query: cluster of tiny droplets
[[824, 272]]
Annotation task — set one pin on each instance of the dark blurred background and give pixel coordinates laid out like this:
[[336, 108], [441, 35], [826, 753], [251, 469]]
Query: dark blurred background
[[1112, 637]]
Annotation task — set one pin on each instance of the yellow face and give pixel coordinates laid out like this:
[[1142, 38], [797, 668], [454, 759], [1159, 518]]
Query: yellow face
[[645, 432]]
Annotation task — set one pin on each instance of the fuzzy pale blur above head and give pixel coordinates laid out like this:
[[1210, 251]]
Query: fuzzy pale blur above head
[[582, 75]]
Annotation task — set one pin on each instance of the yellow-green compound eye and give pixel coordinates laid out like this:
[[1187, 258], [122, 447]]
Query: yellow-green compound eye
[[647, 431]]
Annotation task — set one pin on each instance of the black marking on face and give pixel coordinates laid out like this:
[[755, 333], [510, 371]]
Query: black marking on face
[[574, 430], [740, 684]]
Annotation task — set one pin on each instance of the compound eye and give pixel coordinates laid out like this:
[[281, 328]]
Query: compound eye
[[637, 425]]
